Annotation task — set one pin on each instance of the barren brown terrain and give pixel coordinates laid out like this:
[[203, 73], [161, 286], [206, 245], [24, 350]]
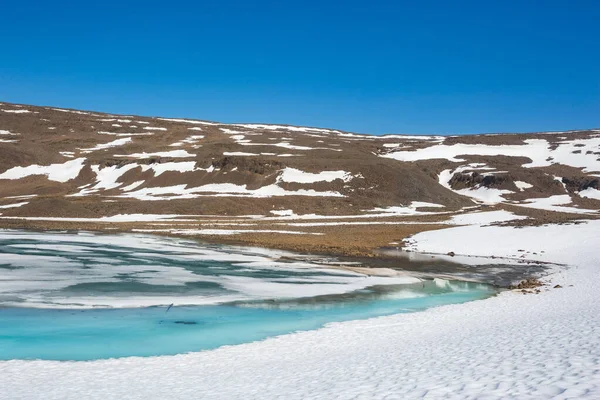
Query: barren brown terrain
[[304, 189]]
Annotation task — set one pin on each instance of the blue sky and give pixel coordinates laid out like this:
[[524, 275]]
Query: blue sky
[[363, 66]]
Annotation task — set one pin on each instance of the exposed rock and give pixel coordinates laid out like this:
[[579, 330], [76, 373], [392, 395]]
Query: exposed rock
[[530, 283]]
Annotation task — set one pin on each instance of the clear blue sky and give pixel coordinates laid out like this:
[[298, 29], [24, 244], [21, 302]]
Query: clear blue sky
[[365, 66]]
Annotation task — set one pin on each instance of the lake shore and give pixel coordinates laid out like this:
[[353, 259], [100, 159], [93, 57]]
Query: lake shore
[[511, 345]]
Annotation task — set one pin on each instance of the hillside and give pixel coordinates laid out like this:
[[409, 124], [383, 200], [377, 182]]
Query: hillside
[[315, 189]]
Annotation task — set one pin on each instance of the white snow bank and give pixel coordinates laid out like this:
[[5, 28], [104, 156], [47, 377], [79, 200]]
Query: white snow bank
[[14, 205], [160, 168], [479, 194], [590, 193], [538, 150], [484, 218], [286, 128], [424, 204], [289, 174], [548, 242], [132, 186], [106, 178], [485, 195], [17, 111], [73, 111], [102, 146], [554, 203], [239, 154], [126, 134], [172, 153], [193, 139], [55, 172], [523, 185], [411, 209], [221, 190], [187, 121], [283, 212]]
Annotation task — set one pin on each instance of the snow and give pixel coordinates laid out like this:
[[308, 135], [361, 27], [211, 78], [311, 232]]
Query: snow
[[538, 150], [245, 154], [418, 204], [172, 153], [150, 128], [554, 203], [17, 111], [193, 139], [126, 134], [23, 196], [14, 205], [411, 209], [286, 128], [295, 175], [187, 121], [484, 218], [221, 190], [283, 213], [55, 172], [484, 194], [160, 168], [102, 146], [287, 145], [264, 191], [590, 193], [5, 132], [72, 111], [132, 186], [523, 185], [480, 194], [106, 178], [239, 153], [115, 119]]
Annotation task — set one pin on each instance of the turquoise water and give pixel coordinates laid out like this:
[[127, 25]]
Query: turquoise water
[[84, 297]]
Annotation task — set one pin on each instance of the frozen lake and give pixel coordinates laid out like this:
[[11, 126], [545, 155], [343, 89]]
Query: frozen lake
[[84, 296]]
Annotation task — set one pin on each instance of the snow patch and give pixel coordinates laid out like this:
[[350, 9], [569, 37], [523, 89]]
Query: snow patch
[[55, 172], [17, 111], [297, 176], [555, 203], [590, 193], [172, 153], [102, 146], [14, 205], [523, 185]]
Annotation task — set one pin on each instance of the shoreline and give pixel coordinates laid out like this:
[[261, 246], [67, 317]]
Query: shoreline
[[378, 262]]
